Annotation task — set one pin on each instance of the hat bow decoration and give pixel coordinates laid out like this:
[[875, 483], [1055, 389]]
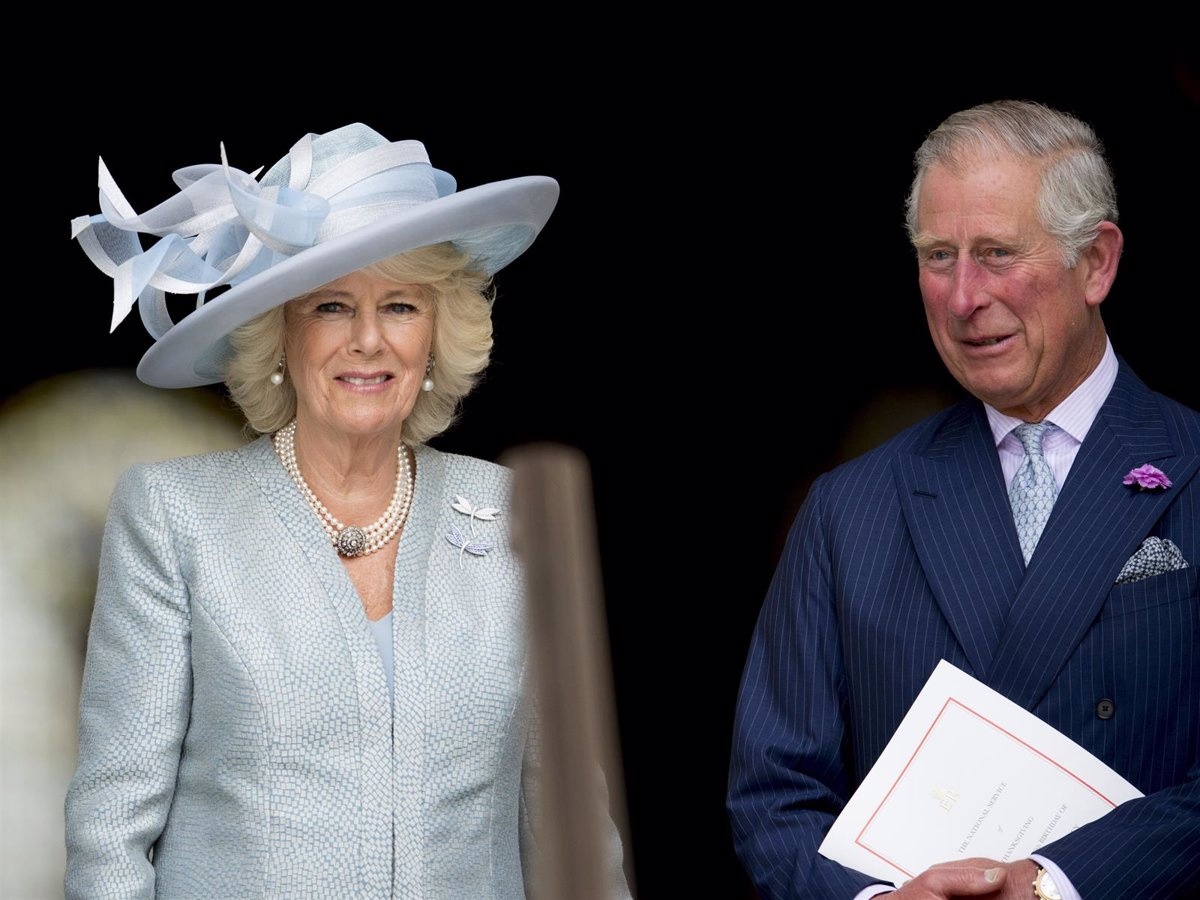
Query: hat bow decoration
[[224, 226]]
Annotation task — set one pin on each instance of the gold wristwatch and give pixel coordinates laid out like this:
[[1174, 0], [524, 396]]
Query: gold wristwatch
[[1044, 887]]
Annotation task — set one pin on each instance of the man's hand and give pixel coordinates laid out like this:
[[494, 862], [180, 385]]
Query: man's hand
[[975, 877]]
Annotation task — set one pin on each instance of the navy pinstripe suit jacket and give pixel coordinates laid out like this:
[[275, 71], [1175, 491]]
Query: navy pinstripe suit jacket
[[908, 555]]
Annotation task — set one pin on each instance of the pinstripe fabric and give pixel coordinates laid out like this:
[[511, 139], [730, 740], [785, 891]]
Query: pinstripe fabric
[[908, 555]]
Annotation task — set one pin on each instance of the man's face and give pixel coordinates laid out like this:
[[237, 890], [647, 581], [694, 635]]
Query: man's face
[[1013, 325]]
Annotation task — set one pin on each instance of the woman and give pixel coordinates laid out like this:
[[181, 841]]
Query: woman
[[306, 673]]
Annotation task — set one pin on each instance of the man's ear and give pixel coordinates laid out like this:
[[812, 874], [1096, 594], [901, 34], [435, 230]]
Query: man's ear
[[1098, 263]]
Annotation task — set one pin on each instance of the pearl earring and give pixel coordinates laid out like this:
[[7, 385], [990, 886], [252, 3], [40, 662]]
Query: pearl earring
[[277, 375], [427, 384]]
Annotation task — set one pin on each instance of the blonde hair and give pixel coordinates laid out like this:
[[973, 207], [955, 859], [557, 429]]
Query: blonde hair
[[462, 345]]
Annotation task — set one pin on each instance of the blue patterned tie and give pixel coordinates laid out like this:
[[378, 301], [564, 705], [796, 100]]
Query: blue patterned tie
[[1033, 489]]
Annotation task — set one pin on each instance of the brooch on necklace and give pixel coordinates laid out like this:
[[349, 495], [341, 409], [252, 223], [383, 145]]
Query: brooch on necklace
[[351, 540]]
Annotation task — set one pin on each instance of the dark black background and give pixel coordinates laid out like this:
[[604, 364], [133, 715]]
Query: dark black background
[[724, 290]]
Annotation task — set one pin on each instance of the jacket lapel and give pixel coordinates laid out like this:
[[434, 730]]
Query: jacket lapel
[[958, 515], [315, 558], [311, 545], [411, 674], [1096, 525]]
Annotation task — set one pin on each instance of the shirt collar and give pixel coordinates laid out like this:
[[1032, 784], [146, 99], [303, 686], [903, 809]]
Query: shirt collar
[[1076, 413]]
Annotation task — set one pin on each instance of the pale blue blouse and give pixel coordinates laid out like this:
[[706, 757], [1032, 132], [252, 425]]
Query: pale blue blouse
[[382, 629]]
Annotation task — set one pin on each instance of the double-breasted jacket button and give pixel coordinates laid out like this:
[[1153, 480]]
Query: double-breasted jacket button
[[1105, 708]]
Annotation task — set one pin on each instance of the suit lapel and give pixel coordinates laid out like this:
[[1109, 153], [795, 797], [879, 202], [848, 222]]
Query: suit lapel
[[958, 515], [1097, 524]]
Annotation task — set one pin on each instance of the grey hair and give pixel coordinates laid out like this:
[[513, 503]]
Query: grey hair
[[1076, 192]]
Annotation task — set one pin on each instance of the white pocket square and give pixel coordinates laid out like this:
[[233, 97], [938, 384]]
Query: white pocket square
[[1155, 556]]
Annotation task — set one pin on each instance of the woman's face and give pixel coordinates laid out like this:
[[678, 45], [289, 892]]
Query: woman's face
[[357, 350]]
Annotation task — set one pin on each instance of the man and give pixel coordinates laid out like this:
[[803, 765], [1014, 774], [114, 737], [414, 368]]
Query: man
[[928, 547]]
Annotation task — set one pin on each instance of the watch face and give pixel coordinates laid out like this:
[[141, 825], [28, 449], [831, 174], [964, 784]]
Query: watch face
[[1046, 887]]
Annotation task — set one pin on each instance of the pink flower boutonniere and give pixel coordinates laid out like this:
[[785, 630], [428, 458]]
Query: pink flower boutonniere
[[1147, 478]]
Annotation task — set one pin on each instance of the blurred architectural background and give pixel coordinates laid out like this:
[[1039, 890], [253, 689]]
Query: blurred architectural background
[[63, 443]]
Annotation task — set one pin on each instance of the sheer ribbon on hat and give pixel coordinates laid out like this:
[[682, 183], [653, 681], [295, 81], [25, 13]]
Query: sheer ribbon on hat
[[224, 226]]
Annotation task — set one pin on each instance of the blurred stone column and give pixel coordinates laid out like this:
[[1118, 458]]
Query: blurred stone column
[[582, 832]]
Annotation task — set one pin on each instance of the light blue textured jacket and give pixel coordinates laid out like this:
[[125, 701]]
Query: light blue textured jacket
[[235, 732]]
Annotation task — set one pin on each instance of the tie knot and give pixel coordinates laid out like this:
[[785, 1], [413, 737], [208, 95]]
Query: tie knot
[[1030, 435]]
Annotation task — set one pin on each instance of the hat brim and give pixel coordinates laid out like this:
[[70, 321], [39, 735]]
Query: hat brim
[[494, 223]]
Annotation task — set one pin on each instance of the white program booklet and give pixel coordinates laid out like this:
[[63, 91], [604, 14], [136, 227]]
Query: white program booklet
[[969, 773]]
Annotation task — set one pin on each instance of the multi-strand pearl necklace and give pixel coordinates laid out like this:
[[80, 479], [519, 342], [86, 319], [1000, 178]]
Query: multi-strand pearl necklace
[[350, 540]]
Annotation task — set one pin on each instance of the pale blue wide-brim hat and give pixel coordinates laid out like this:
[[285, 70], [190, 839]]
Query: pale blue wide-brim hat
[[337, 202]]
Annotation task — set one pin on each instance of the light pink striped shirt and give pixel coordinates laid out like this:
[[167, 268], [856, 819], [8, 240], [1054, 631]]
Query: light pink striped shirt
[[1074, 416]]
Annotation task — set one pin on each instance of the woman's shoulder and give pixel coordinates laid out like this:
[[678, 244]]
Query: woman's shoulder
[[215, 469], [460, 468]]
